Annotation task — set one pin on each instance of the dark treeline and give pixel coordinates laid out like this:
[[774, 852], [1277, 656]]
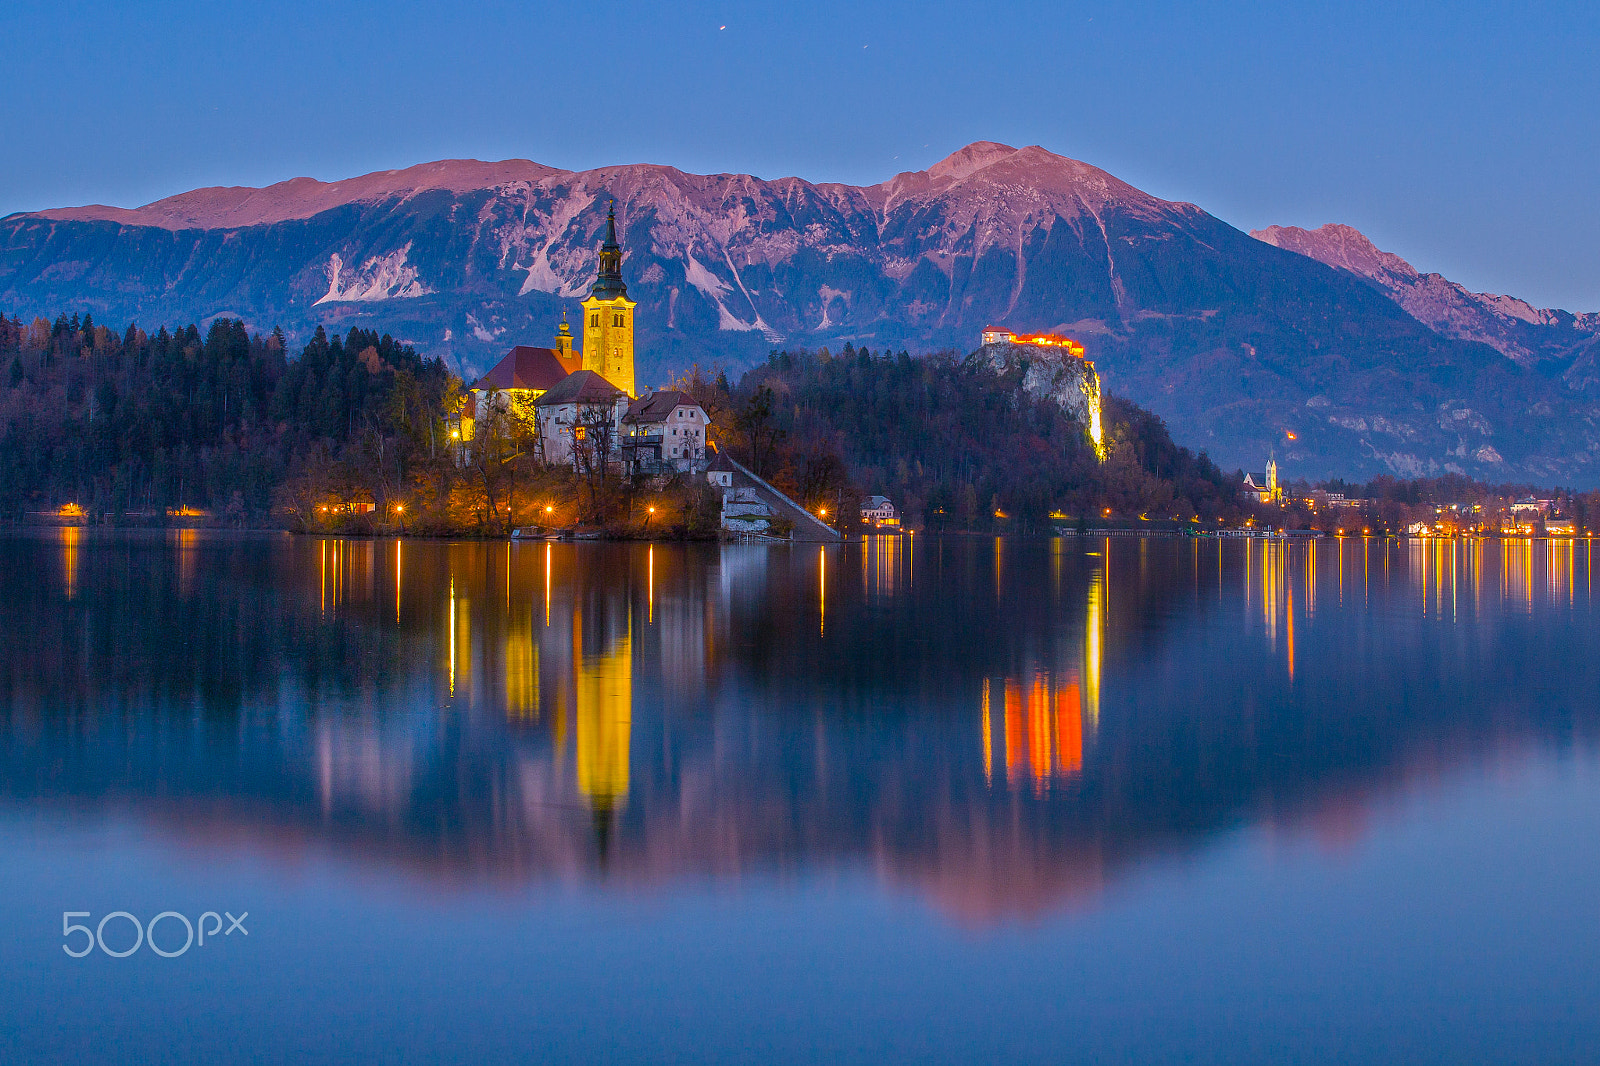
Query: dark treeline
[[356, 432], [1448, 488], [121, 422], [952, 441]]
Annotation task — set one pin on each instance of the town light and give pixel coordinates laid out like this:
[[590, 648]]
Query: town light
[[455, 434], [548, 509], [823, 511], [399, 507], [1106, 513], [652, 510]]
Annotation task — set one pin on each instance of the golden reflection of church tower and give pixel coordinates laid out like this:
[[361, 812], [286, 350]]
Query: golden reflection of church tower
[[604, 728]]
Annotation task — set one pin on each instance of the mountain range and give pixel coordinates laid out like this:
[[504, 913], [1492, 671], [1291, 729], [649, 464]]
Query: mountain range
[[1341, 359]]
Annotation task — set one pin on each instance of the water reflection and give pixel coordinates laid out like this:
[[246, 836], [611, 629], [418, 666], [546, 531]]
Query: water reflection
[[640, 714]]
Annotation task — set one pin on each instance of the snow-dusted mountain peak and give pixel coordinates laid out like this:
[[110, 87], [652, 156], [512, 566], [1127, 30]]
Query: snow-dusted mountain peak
[[1515, 328], [1338, 245], [973, 157]]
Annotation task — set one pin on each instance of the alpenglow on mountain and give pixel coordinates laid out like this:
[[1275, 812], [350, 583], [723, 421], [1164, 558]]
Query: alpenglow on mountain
[[1244, 347]]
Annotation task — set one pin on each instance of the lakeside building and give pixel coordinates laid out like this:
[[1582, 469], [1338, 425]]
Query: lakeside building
[[719, 471], [878, 513], [665, 429], [1264, 486]]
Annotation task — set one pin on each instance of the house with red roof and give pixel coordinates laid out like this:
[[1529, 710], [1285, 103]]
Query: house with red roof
[[663, 431]]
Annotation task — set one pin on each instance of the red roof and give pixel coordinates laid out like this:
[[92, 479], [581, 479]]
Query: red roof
[[658, 406], [525, 367], [583, 387]]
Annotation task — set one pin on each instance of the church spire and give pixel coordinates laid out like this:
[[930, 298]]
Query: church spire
[[608, 285], [608, 315]]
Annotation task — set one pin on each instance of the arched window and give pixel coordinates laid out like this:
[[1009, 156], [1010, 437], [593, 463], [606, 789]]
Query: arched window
[[594, 321]]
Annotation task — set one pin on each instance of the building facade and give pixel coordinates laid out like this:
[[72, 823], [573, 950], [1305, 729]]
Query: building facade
[[664, 430], [1264, 486], [878, 513], [580, 420]]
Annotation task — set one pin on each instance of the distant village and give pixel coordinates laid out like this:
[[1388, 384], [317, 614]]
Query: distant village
[[1447, 507]]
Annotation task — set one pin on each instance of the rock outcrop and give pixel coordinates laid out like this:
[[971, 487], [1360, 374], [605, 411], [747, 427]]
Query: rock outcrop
[[1050, 374]]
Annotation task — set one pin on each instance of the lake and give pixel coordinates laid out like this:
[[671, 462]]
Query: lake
[[912, 799]]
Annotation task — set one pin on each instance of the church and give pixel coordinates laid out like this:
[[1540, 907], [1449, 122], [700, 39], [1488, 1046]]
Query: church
[[569, 389]]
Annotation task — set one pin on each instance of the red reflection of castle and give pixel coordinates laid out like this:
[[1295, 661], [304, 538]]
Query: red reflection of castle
[[1041, 738]]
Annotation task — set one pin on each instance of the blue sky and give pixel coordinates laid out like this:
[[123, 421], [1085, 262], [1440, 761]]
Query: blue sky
[[1462, 136]]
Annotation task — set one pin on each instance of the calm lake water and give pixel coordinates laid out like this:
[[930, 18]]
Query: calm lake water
[[933, 800]]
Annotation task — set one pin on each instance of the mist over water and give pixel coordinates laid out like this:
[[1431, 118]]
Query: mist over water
[[958, 798]]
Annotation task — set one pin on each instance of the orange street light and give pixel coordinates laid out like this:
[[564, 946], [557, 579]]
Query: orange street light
[[548, 509], [823, 511]]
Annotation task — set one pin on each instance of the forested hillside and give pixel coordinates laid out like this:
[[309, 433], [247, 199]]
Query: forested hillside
[[121, 421], [950, 437]]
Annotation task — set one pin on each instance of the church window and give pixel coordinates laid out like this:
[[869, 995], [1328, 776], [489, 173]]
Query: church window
[[594, 321]]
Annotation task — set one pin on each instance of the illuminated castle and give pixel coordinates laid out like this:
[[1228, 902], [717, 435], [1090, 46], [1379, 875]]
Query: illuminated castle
[[992, 335], [1076, 369]]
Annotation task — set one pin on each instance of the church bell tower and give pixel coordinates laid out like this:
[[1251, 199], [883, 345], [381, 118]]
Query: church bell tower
[[608, 316]]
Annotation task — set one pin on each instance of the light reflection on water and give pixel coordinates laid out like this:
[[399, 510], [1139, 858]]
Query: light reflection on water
[[1002, 731]]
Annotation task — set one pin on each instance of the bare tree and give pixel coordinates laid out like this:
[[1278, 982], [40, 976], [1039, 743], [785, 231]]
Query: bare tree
[[594, 454], [504, 433]]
